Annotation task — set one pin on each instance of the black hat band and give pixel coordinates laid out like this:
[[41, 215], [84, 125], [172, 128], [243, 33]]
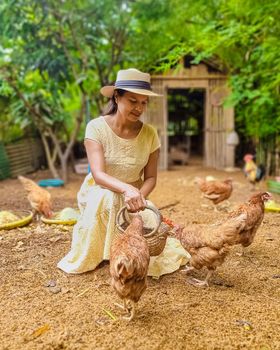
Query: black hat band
[[133, 84]]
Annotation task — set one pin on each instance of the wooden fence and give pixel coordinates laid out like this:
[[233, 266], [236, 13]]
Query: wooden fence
[[25, 156], [4, 163]]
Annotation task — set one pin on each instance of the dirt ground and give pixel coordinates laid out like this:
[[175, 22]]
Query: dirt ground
[[44, 308]]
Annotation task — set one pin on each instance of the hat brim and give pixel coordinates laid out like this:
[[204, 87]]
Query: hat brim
[[108, 91]]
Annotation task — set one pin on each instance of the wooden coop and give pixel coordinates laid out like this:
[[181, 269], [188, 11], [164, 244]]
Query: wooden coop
[[190, 117]]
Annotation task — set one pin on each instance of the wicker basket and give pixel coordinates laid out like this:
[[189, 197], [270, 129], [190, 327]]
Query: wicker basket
[[156, 237]]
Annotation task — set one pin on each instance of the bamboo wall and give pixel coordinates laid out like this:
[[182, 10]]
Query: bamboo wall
[[25, 156]]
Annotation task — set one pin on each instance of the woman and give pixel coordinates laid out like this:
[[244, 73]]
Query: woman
[[123, 154]]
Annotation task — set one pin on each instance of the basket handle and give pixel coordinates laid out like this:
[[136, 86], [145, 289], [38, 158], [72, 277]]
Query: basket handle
[[150, 234]]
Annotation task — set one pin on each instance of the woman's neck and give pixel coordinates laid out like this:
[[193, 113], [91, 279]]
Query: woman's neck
[[123, 127]]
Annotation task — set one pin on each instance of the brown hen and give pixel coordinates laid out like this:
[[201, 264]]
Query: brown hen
[[208, 245], [39, 198], [129, 261], [216, 191], [254, 210]]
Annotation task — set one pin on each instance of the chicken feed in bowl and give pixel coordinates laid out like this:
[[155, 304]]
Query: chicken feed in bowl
[[67, 216], [13, 219]]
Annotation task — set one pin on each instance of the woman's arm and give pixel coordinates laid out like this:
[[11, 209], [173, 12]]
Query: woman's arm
[[95, 155], [150, 174], [133, 198]]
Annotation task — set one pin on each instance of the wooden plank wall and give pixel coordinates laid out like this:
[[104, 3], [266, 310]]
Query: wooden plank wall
[[25, 156], [214, 129], [155, 115], [218, 120]]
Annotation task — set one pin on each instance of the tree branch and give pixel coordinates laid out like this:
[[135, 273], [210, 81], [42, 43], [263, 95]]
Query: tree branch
[[79, 121]]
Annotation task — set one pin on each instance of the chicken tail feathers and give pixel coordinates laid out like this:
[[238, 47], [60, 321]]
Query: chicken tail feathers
[[123, 269], [28, 184], [260, 172]]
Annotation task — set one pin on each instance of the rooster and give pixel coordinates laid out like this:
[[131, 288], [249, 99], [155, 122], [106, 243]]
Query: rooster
[[253, 172], [39, 198], [129, 261], [254, 211], [216, 191], [208, 245]]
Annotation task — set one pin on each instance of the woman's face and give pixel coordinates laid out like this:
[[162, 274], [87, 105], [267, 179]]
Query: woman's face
[[132, 105]]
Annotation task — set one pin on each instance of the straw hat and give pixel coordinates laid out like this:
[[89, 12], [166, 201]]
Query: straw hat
[[130, 80]]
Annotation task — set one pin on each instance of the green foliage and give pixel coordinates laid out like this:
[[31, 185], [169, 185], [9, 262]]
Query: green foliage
[[55, 53], [58, 51], [244, 37], [9, 129]]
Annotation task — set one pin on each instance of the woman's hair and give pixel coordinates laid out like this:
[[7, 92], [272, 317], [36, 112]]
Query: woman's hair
[[112, 106]]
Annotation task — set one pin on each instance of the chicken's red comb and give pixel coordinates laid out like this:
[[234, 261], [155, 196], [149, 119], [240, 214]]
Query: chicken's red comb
[[168, 222]]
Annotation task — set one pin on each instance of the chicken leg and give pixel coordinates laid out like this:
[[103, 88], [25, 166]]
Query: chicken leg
[[216, 210], [243, 252], [187, 269], [199, 283], [124, 306], [131, 311], [129, 307]]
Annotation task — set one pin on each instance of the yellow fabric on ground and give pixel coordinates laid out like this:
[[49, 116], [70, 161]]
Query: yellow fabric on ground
[[170, 260]]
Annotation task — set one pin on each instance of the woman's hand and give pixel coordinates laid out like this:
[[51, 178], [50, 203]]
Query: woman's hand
[[134, 199]]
